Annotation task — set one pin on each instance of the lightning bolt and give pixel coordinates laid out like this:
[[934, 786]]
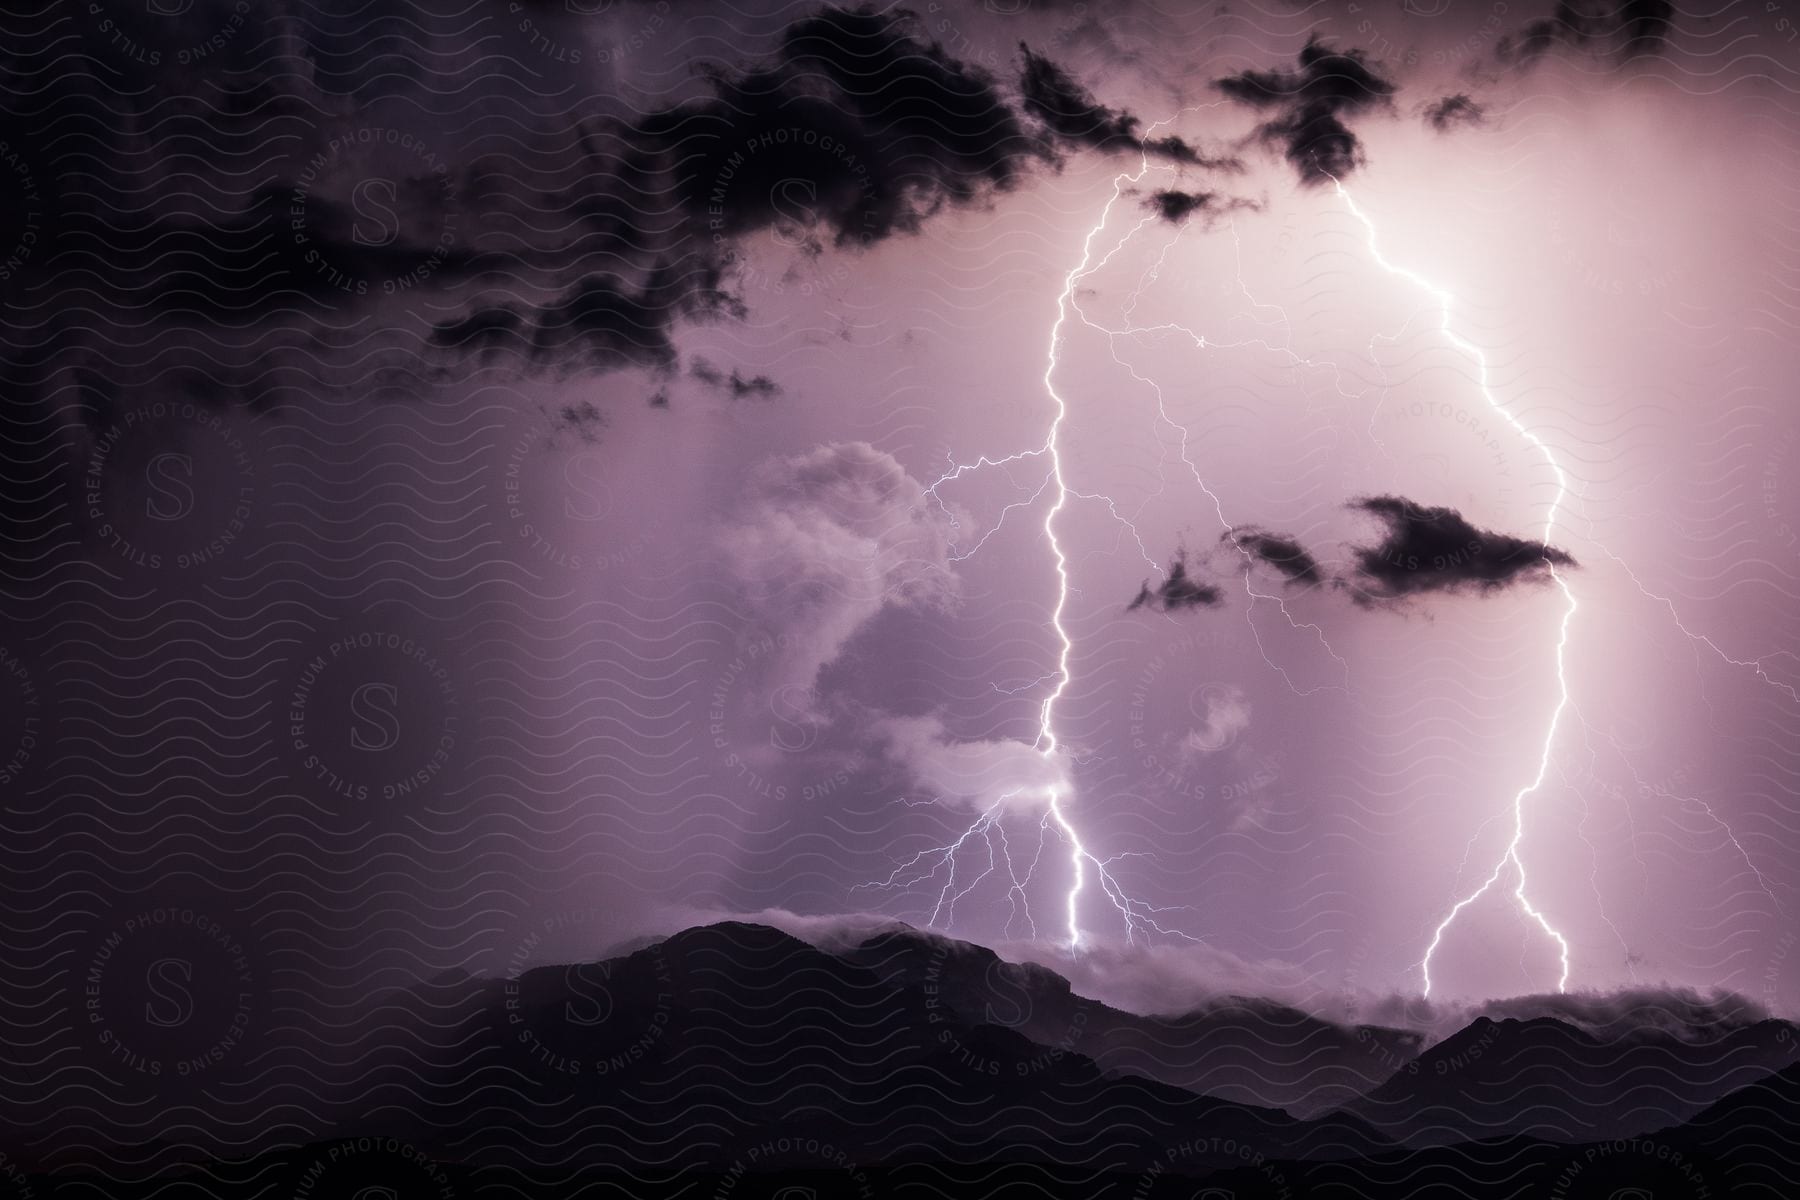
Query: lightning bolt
[[1046, 739], [1701, 639], [1660, 792], [1202, 342], [1139, 917], [1510, 859], [1136, 914]]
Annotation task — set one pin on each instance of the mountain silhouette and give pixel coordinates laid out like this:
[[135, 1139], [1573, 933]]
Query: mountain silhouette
[[1563, 1083], [736, 1060], [1250, 1050]]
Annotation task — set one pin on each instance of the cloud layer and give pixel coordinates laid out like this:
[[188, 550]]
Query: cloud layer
[[827, 540], [977, 774]]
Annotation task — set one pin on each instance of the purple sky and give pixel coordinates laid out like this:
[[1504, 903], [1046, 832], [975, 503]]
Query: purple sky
[[1316, 793], [388, 647]]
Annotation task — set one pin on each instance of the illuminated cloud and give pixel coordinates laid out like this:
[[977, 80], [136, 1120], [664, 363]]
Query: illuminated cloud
[[1224, 712], [827, 540], [973, 774]]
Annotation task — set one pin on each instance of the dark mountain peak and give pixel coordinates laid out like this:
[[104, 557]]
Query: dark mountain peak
[[1532, 1030], [734, 938], [1562, 1081], [631, 945], [1777, 1092], [456, 979]]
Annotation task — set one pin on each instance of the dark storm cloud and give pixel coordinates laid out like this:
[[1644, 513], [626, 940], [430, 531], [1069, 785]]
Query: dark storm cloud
[[1178, 590], [856, 129], [1176, 207], [168, 149], [601, 322], [1644, 27], [1072, 113], [912, 129], [497, 327], [605, 233], [733, 383], [235, 268], [1436, 550], [283, 249], [1281, 552], [1451, 111], [1070, 110], [1310, 106], [1626, 29], [583, 417]]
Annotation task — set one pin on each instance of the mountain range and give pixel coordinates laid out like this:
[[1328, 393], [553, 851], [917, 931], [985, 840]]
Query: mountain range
[[734, 1059]]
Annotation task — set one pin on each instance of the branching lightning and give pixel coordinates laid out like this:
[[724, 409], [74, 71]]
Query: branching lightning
[[1510, 858], [1053, 801], [1755, 664], [1138, 916], [1660, 792], [1201, 342]]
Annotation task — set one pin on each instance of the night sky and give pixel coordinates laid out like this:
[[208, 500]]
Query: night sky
[[488, 484]]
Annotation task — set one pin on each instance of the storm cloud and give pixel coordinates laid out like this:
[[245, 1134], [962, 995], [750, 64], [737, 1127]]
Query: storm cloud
[[1427, 550], [829, 538], [855, 130], [1625, 30], [733, 383], [1281, 552], [978, 774], [1450, 112], [1310, 106], [1072, 113], [1178, 590]]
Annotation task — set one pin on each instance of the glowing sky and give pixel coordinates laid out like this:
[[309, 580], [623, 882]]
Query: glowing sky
[[441, 505]]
